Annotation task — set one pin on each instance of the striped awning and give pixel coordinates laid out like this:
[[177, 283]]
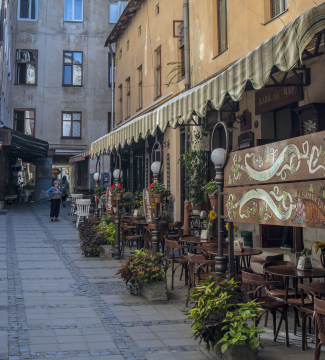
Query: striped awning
[[282, 50]]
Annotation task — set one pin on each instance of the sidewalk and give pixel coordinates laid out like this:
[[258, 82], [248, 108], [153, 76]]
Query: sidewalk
[[55, 303]]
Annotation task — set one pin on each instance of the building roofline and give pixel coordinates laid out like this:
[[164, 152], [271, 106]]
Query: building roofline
[[128, 14]]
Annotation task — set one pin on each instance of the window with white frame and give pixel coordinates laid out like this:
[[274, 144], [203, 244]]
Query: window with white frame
[[116, 8], [73, 10], [27, 10], [71, 124]]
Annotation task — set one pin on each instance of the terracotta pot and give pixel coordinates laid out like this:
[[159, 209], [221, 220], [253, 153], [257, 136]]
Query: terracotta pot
[[98, 197], [118, 196], [158, 198], [213, 200]]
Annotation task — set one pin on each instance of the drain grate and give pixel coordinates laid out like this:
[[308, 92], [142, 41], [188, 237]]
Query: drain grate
[[103, 288]]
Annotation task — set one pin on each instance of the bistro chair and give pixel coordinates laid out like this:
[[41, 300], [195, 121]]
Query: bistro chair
[[252, 287], [199, 269], [174, 230], [129, 236], [306, 308], [162, 228], [175, 257], [319, 319], [83, 209], [73, 205], [205, 248]]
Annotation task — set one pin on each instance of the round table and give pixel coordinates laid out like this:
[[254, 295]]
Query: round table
[[246, 254], [288, 272]]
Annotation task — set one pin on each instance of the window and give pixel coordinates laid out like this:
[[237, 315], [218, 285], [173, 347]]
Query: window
[[27, 10], [140, 86], [139, 30], [278, 7], [72, 68], [222, 25], [110, 71], [26, 67], [158, 72], [73, 10], [116, 9], [128, 97], [25, 121], [157, 9], [121, 102], [71, 125]]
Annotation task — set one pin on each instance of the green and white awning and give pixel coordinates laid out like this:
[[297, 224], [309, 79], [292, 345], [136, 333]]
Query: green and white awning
[[282, 50]]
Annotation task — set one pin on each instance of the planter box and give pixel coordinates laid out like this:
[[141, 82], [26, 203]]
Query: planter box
[[156, 291], [244, 352], [107, 250]]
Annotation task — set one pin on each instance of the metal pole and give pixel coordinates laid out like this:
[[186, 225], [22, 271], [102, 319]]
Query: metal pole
[[231, 256], [155, 232], [186, 45], [117, 252], [96, 210]]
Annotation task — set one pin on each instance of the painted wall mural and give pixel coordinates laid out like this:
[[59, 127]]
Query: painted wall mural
[[301, 158], [290, 204]]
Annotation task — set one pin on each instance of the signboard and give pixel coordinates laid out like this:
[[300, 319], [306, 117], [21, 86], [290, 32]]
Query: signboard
[[299, 204], [147, 205], [301, 158], [109, 200], [271, 98]]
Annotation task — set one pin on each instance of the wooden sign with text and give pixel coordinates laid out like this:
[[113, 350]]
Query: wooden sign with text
[[147, 205], [299, 204], [296, 159], [109, 200]]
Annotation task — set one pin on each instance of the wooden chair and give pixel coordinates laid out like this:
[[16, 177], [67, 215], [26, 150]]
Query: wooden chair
[[73, 205], [306, 308], [278, 257], [130, 236], [179, 259], [162, 228], [198, 270], [204, 248], [252, 286], [319, 318], [174, 230]]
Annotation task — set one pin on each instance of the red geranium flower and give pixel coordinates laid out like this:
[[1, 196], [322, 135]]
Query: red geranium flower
[[151, 186], [120, 187], [113, 185], [104, 192], [152, 179]]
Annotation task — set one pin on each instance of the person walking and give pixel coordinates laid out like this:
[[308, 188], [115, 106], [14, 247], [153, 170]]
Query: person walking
[[65, 187], [55, 193]]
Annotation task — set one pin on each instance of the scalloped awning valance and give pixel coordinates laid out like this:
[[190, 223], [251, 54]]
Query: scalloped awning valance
[[282, 50]]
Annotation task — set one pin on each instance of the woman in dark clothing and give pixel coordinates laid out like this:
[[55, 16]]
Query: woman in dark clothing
[[65, 187], [55, 193]]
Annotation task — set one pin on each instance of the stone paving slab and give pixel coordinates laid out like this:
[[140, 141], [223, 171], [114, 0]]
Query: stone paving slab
[[49, 308]]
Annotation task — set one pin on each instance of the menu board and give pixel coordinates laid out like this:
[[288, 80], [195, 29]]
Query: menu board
[[109, 200], [147, 205]]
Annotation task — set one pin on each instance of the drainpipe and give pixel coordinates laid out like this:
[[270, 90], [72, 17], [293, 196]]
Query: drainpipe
[[113, 86], [186, 45]]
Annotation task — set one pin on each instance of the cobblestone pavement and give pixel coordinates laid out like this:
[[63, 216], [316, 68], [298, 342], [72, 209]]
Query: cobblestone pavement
[[55, 303]]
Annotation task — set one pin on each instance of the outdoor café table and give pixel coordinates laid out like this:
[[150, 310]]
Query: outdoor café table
[[246, 253], [288, 273], [196, 240]]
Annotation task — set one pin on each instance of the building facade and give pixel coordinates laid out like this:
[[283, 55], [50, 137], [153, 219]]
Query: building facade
[[55, 79], [264, 97]]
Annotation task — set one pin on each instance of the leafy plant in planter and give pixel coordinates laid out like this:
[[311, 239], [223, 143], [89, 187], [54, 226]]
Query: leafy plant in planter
[[91, 239], [219, 315], [211, 188], [158, 191], [129, 198], [107, 228], [194, 159], [143, 267], [98, 190]]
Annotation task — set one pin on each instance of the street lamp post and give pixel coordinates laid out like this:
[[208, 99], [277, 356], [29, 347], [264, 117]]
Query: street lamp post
[[156, 169], [97, 177], [117, 173], [219, 158]]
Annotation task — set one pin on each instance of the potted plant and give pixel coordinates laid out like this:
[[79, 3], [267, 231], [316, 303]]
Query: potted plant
[[194, 160], [211, 188], [118, 192], [91, 240], [138, 197], [128, 199], [98, 191], [222, 320], [145, 273], [107, 228], [158, 191]]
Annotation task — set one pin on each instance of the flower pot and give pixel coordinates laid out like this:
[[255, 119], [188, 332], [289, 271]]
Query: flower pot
[[156, 291], [118, 196], [158, 198], [107, 250], [98, 197], [242, 352], [213, 200]]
